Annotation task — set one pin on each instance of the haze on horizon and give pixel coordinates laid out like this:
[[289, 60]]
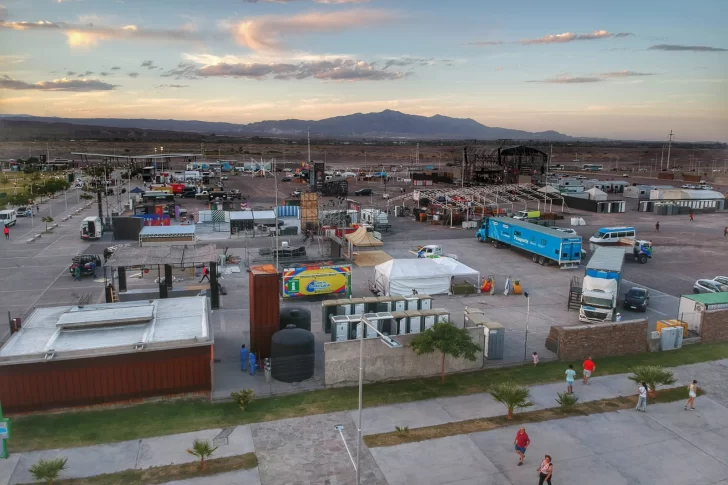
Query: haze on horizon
[[622, 70]]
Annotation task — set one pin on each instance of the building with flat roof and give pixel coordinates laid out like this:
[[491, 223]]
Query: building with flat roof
[[68, 356]]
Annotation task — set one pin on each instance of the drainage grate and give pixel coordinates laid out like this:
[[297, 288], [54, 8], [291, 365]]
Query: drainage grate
[[222, 438]]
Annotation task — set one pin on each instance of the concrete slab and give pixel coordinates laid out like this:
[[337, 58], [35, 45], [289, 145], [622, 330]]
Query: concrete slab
[[414, 415], [172, 449], [592, 470], [713, 442], [82, 462], [604, 433], [617, 385], [545, 395], [454, 459], [7, 467], [473, 406], [245, 477], [672, 461], [708, 415]]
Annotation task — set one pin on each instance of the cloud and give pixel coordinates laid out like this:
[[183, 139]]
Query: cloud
[[11, 59], [571, 37], [324, 70], [173, 86], [103, 74], [86, 74], [149, 65], [688, 48], [483, 43], [625, 74], [133, 74], [3, 12], [264, 33], [330, 2], [570, 80], [76, 85], [88, 34], [115, 68], [71, 73]]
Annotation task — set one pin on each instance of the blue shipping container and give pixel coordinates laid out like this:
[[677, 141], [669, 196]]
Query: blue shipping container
[[287, 210]]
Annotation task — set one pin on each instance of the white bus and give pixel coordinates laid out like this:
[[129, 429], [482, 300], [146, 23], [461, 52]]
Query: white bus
[[588, 167]]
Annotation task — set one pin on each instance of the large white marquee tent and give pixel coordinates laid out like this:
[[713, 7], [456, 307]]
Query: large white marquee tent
[[427, 276]]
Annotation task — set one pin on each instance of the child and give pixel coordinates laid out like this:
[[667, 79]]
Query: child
[[570, 373], [692, 394], [535, 358]]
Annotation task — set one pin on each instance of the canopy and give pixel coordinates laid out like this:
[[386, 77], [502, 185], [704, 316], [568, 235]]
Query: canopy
[[427, 276], [596, 194], [548, 189], [362, 238]]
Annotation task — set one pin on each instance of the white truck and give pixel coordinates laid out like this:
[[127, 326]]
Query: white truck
[[431, 251], [600, 291], [8, 217]]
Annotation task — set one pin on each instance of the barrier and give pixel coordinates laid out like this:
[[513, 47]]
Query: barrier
[[30, 240]]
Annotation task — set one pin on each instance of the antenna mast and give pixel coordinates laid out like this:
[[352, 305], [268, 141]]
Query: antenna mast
[[669, 146]]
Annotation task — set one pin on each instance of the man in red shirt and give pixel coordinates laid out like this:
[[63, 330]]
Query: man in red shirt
[[589, 367], [522, 441]]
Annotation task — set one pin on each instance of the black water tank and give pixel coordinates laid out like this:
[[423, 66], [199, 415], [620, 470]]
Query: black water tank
[[292, 355], [296, 316]]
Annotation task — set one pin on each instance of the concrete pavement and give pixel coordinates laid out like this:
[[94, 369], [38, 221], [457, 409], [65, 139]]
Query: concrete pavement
[[612, 448]]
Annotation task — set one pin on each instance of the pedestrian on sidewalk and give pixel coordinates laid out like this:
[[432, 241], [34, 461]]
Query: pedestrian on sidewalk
[[642, 399], [570, 373], [589, 367], [692, 217], [725, 231], [521, 442], [545, 470], [692, 394], [535, 359], [657, 226], [6, 231], [205, 274]]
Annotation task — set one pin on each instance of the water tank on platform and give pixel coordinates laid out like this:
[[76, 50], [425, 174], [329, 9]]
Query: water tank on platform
[[296, 316], [292, 355]]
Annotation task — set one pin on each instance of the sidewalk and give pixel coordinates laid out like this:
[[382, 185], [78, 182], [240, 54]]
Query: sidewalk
[[308, 450]]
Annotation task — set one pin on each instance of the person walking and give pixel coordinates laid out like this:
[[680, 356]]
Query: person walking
[[692, 217], [535, 359], [6, 231], [205, 274], [545, 470], [692, 394], [521, 443], [657, 226], [570, 373], [589, 366], [642, 399], [725, 231]]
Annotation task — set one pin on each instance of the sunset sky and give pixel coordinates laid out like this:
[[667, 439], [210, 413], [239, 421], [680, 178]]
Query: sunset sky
[[617, 69]]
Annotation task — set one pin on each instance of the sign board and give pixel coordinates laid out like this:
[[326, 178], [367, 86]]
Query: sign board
[[4, 429], [318, 178], [317, 280]]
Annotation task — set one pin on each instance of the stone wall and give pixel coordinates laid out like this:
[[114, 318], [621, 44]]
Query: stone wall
[[341, 361], [714, 327], [598, 339]]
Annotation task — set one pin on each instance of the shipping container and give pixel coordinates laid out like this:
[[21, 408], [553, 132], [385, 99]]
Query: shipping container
[[264, 309]]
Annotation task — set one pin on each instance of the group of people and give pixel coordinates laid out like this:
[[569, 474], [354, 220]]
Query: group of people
[[545, 469]]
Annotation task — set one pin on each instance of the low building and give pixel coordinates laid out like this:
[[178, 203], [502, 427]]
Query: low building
[[608, 186], [701, 200], [68, 356], [177, 234], [642, 192]]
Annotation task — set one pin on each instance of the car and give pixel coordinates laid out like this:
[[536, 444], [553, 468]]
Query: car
[[637, 298], [24, 212], [567, 230], [723, 280], [363, 192], [580, 177], [625, 175], [705, 187], [287, 170], [708, 286], [688, 186], [286, 179], [225, 177]]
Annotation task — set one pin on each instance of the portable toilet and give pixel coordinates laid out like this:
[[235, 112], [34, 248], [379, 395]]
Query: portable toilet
[[398, 303], [384, 304], [358, 306], [669, 337], [442, 315], [371, 304], [495, 339], [474, 320], [413, 302], [414, 318], [429, 317], [340, 328], [425, 302], [343, 306], [328, 308], [400, 320]]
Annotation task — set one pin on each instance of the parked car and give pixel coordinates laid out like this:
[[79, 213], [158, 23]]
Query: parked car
[[705, 187], [723, 280], [363, 192], [637, 298], [625, 175], [24, 212], [688, 186], [708, 286], [580, 177]]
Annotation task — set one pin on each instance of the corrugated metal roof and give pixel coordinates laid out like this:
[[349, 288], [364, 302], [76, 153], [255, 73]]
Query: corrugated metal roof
[[709, 298], [607, 259], [252, 215], [686, 194], [152, 231], [175, 322]]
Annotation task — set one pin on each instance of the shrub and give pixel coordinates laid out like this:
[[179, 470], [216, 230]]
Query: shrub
[[47, 471], [653, 375], [203, 450], [566, 400], [402, 429], [512, 395], [243, 398]]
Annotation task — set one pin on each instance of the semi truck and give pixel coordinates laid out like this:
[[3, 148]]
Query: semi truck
[[543, 244], [600, 291]]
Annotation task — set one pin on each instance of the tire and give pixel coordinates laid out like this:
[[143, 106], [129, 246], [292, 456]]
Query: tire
[[696, 291], [496, 244], [541, 260], [480, 239], [642, 259], [534, 258]]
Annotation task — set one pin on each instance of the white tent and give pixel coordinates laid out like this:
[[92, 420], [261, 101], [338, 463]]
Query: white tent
[[548, 189], [427, 276], [596, 194]]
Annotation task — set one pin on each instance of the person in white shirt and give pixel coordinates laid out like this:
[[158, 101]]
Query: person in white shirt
[[692, 394], [642, 400]]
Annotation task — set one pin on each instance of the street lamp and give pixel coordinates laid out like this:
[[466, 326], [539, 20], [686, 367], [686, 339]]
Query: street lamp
[[365, 321], [528, 314]]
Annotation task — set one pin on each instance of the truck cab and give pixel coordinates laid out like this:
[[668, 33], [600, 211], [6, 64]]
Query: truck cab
[[526, 215], [427, 251], [8, 217], [600, 291]]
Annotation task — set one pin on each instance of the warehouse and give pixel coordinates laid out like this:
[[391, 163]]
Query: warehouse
[[68, 356], [690, 200]]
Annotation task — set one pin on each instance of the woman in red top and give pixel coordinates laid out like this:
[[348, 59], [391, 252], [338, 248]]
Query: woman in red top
[[589, 367]]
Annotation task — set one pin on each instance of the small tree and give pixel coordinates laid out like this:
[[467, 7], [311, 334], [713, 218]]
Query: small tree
[[243, 397], [47, 471], [446, 338], [47, 220], [203, 450], [512, 396], [653, 376]]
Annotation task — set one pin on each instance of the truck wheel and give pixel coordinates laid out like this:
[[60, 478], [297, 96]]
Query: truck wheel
[[541, 260], [496, 245], [480, 239], [534, 258], [642, 259]]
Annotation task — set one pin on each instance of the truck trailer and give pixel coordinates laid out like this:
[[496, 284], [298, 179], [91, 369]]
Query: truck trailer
[[600, 291], [543, 244]]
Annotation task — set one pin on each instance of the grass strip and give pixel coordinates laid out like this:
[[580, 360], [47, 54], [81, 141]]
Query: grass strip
[[394, 438], [168, 473], [109, 425]]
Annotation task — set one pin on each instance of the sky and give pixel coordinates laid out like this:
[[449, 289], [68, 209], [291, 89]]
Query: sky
[[618, 69]]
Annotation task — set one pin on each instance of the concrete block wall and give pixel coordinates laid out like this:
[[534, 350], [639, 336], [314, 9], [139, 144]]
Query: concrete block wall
[[341, 361], [714, 327], [600, 339]]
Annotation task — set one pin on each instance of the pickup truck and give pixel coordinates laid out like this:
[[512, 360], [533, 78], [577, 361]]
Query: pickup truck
[[427, 251]]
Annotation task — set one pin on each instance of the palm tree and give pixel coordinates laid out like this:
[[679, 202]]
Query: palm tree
[[203, 450], [47, 471], [653, 376], [512, 396]]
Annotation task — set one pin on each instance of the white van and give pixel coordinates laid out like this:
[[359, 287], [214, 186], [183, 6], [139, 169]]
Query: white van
[[8, 217], [91, 228], [612, 235]]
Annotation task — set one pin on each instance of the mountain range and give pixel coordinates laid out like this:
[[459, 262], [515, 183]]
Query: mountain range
[[386, 124]]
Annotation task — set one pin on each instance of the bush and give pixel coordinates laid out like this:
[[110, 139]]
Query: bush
[[512, 396], [243, 398], [653, 376], [402, 429], [566, 400], [203, 450], [47, 471]]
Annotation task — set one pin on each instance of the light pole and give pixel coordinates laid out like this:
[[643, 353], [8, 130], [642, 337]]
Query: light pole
[[365, 321], [528, 314]]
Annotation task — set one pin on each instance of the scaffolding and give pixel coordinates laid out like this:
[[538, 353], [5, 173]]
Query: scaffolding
[[502, 164]]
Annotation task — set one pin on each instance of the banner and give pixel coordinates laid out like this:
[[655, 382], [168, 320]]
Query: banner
[[317, 280]]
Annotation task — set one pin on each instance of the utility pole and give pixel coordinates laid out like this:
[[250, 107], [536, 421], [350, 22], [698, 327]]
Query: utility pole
[[669, 146], [308, 137], [662, 154]]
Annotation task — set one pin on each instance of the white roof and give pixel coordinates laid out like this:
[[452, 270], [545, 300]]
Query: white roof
[[251, 215], [456, 268], [109, 328], [596, 191], [686, 194]]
